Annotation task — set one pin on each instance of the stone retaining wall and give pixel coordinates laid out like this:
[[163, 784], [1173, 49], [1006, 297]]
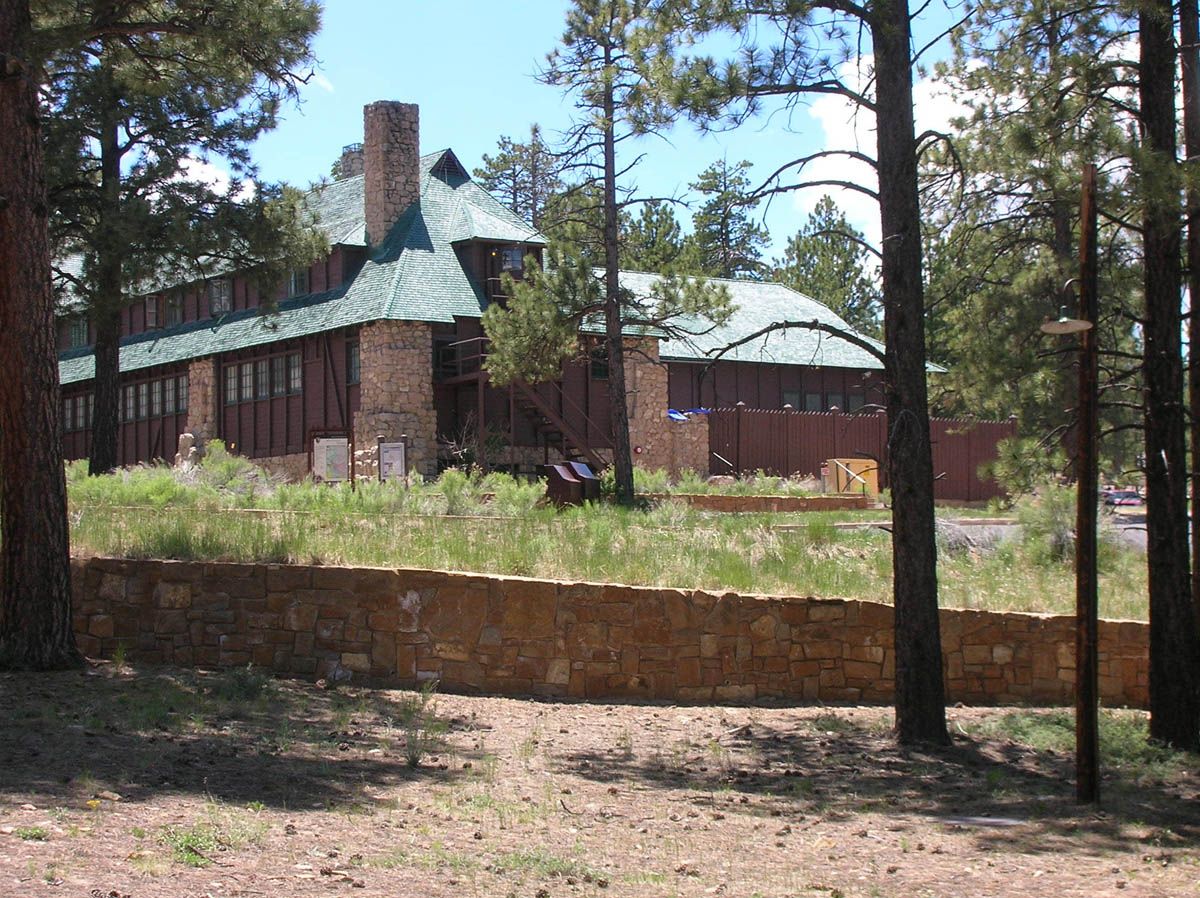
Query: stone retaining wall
[[745, 504], [517, 636]]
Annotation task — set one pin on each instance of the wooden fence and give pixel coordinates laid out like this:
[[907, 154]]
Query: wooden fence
[[785, 442]]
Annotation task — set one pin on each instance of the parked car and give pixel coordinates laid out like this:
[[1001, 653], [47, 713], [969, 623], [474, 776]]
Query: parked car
[[1122, 497]]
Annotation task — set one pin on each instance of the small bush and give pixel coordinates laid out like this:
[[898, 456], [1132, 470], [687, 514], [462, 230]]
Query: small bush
[[1047, 519]]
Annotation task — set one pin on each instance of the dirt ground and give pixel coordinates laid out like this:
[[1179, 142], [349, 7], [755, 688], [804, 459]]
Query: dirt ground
[[159, 782]]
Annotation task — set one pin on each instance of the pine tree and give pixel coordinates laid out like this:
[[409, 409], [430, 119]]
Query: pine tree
[[653, 241], [35, 591], [730, 243], [607, 52], [829, 260], [128, 116], [523, 176], [1043, 98], [789, 50]]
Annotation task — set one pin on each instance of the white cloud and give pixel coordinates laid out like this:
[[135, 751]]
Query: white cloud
[[846, 127], [322, 82], [219, 179]]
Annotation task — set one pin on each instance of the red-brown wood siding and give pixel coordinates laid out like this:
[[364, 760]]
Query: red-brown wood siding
[[274, 425], [148, 437]]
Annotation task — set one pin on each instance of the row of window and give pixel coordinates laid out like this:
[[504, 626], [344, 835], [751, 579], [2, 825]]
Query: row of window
[[167, 311], [149, 399], [77, 412], [816, 402], [154, 398], [279, 375]]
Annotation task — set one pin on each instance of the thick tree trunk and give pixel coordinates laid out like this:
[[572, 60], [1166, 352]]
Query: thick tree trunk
[[1174, 637], [35, 590], [1189, 35], [920, 691], [108, 300], [618, 400]]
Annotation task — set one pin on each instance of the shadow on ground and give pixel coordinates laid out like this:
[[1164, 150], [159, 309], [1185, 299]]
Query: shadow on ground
[[230, 736], [833, 768]]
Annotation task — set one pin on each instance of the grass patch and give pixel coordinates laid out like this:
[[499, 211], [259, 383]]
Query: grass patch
[[543, 864], [501, 529], [221, 829], [32, 833], [1124, 743]]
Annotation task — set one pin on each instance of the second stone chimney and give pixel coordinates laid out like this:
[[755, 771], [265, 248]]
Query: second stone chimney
[[391, 164]]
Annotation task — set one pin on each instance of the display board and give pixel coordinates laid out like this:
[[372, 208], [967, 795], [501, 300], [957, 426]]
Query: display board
[[331, 459], [393, 461]]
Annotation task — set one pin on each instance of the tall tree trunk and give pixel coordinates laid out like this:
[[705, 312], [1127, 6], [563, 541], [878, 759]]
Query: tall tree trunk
[[35, 590], [618, 399], [920, 691], [1174, 638], [107, 302], [1189, 35]]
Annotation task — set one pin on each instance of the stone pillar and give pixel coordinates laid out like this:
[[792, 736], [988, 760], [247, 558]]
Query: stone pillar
[[663, 443], [202, 399], [391, 165], [396, 393]]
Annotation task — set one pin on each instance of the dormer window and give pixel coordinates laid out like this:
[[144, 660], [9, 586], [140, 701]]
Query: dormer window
[[512, 260], [77, 332], [174, 309], [152, 321], [220, 297], [297, 282]]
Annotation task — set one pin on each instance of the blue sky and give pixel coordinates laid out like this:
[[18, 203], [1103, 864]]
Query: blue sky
[[470, 65]]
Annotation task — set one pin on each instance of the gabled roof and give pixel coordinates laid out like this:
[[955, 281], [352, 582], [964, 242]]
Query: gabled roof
[[757, 305], [414, 275]]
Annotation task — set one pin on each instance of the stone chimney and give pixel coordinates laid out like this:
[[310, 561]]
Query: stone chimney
[[351, 162], [391, 164]]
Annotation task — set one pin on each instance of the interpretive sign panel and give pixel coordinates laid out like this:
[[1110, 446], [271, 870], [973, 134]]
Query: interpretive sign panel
[[393, 462], [331, 459]]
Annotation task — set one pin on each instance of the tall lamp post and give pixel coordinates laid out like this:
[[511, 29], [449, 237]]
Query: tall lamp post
[[1087, 752]]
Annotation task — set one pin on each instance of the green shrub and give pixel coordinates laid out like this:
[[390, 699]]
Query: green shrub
[[1047, 519]]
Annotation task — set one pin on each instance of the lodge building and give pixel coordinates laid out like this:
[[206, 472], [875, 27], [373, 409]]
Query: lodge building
[[382, 339]]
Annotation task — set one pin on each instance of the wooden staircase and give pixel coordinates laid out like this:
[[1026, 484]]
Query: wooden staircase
[[546, 420]]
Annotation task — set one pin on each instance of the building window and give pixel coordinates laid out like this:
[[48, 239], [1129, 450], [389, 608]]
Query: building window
[[68, 415], [262, 383], [297, 282], [231, 385], [278, 376], [130, 404], [445, 357], [220, 297], [599, 363], [247, 376], [792, 398], [143, 395], [855, 401], [812, 402], [77, 333], [156, 404], [512, 259], [353, 368], [181, 384], [152, 313], [79, 407], [174, 309], [295, 378], [169, 396], [91, 407], [838, 401]]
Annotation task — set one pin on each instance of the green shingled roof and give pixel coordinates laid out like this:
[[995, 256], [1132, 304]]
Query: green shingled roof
[[414, 275], [757, 305]]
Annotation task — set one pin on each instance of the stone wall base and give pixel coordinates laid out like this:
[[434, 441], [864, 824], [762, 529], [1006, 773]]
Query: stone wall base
[[515, 636]]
